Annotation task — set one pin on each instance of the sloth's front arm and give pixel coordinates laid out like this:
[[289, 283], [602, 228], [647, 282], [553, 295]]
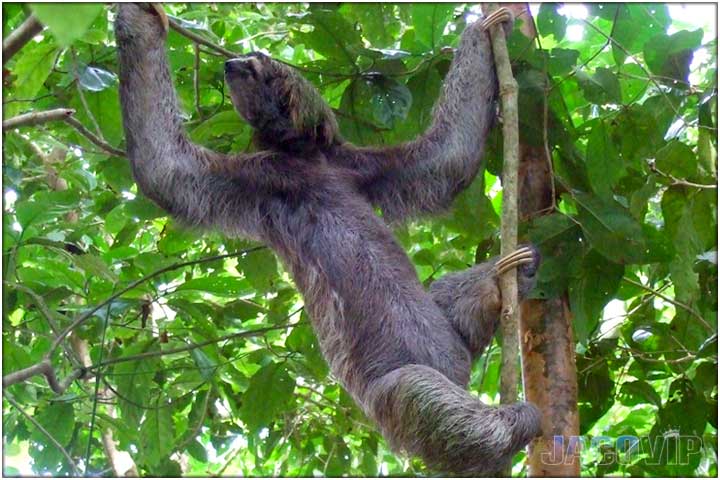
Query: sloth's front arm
[[425, 175], [191, 182]]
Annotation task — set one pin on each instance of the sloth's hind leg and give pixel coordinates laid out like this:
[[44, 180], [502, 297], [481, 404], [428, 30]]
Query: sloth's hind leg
[[423, 413]]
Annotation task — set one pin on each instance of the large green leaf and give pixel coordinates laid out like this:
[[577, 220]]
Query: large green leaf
[[268, 394], [670, 55], [604, 165], [611, 229], [67, 21]]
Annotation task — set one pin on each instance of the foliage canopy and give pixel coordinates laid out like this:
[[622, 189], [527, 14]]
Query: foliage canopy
[[207, 363]]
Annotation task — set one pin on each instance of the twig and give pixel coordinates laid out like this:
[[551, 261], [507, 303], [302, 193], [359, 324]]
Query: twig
[[510, 321], [687, 308], [20, 36], [42, 429], [678, 181], [191, 436], [59, 114], [75, 123], [192, 346], [198, 39], [82, 95], [44, 368], [36, 118], [138, 282], [196, 79]]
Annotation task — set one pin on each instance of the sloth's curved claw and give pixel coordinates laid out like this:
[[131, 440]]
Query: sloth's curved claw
[[162, 15], [521, 256], [499, 16], [158, 10]]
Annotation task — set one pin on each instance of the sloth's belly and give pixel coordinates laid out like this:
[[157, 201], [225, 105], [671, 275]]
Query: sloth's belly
[[369, 311]]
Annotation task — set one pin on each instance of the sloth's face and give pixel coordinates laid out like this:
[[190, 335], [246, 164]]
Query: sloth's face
[[256, 88], [276, 101]]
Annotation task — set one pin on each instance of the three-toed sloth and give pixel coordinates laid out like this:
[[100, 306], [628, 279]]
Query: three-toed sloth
[[403, 353]]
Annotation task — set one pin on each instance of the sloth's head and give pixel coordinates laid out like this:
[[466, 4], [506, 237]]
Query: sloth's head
[[283, 107]]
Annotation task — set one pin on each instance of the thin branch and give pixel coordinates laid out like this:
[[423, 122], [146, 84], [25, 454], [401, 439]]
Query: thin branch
[[42, 429], [82, 95], [192, 346], [138, 282], [36, 118], [678, 181], [196, 79], [59, 114], [687, 308], [20, 36], [198, 39], [75, 123], [43, 368], [510, 320]]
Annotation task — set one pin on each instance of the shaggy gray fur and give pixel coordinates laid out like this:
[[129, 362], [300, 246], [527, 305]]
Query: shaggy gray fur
[[403, 354]]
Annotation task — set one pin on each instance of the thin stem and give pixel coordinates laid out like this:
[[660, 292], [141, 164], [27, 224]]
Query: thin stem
[[42, 429], [672, 301]]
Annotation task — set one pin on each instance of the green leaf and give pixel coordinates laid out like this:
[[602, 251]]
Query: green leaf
[[677, 159], [197, 451], [205, 364], [268, 394], [611, 229], [670, 55], [332, 36], [601, 88], [223, 123], [133, 379], [550, 23], [157, 433], [561, 60], [67, 21], [596, 283], [32, 68], [217, 285], [259, 268], [391, 102], [604, 165], [58, 418], [640, 392], [635, 24], [429, 20], [94, 266]]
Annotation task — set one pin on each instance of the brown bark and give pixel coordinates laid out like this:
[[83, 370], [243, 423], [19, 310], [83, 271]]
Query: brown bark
[[19, 37], [548, 347]]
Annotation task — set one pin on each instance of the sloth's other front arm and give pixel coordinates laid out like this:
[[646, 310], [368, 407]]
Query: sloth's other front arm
[[189, 181], [425, 175]]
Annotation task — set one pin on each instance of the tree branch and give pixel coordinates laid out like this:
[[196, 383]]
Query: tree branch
[[198, 39], [75, 123], [687, 308], [42, 429], [59, 114], [36, 118], [19, 37], [43, 368]]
